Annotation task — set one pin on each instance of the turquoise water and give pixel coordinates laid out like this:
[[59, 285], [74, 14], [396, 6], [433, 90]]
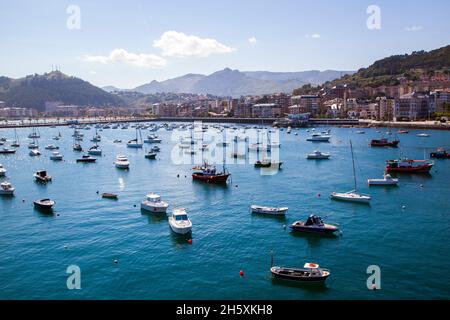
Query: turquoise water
[[410, 245]]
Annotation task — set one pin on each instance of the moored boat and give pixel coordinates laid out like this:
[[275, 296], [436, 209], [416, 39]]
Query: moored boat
[[317, 137], [7, 151], [209, 174], [42, 176], [35, 153], [310, 272], [384, 143], [56, 156], [267, 164], [179, 221], [317, 155], [351, 196], [2, 170], [6, 189], [314, 224], [269, 210], [153, 203], [440, 153], [405, 165], [122, 162], [86, 159], [107, 195], [386, 181], [150, 155], [44, 204]]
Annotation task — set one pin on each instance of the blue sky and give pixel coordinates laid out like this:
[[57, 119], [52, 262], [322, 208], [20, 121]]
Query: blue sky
[[128, 43]]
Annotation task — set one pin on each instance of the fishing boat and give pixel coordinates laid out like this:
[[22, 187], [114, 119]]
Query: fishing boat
[[440, 153], [35, 153], [153, 203], [86, 159], [122, 162], [384, 143], [314, 224], [405, 165], [7, 151], [386, 181], [56, 156], [137, 142], [44, 204], [95, 151], [209, 174], [318, 137], [113, 196], [2, 170], [42, 176], [267, 164], [179, 221], [311, 272], [6, 189], [317, 155], [269, 210], [354, 195]]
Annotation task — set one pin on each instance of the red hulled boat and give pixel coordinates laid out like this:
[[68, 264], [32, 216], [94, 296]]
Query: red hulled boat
[[384, 143], [209, 174], [408, 166]]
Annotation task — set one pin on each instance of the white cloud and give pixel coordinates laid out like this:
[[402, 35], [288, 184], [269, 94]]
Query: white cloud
[[413, 28], [179, 44], [252, 40], [93, 72], [314, 36], [135, 59]]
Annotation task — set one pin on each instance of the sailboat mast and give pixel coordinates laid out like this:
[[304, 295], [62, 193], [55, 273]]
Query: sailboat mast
[[353, 162]]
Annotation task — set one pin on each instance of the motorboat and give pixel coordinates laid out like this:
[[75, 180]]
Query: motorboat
[[35, 153], [310, 272], [6, 189], [56, 156], [360, 132], [179, 221], [2, 170], [318, 137], [269, 210], [122, 162], [405, 165], [95, 151], [402, 131], [110, 196], [150, 155], [440, 153], [423, 135], [42, 176], [384, 143], [209, 174], [152, 139], [117, 141], [86, 159], [44, 204], [156, 149], [51, 147], [317, 155], [314, 224], [267, 164], [153, 203], [386, 181], [7, 151], [77, 147]]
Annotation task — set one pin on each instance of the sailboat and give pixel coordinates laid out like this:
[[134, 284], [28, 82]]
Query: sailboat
[[354, 195], [136, 143], [15, 143]]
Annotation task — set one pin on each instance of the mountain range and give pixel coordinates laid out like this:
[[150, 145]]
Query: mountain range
[[235, 83]]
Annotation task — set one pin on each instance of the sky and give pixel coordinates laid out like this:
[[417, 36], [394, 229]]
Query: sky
[[129, 43]]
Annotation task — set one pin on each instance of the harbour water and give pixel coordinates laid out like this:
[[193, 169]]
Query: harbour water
[[405, 230]]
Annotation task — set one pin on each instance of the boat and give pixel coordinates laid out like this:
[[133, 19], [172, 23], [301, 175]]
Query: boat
[[95, 151], [423, 135], [42, 176], [314, 224], [96, 138], [15, 143], [122, 162], [440, 153], [311, 272], [269, 210], [86, 159], [354, 195], [402, 131], [56, 156], [318, 137], [51, 147], [405, 165], [44, 204], [384, 143], [6, 189], [34, 134], [153, 203], [117, 141], [386, 181], [77, 147], [150, 155], [267, 164], [209, 174], [35, 153], [7, 151], [179, 221], [137, 142], [317, 155], [152, 139], [2, 170], [156, 149], [360, 132], [110, 196]]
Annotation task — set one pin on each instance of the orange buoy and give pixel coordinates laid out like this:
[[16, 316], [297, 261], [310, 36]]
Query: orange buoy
[[241, 273]]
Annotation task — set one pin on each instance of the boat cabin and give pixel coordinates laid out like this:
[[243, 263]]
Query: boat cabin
[[314, 220]]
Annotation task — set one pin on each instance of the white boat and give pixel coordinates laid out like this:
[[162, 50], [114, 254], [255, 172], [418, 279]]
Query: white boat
[[423, 135], [153, 203], [33, 145], [152, 139], [137, 142], [386, 181], [51, 147], [317, 137], [56, 156], [95, 151], [317, 155], [42, 176], [354, 195], [2, 170], [6, 189], [122, 162], [179, 221], [269, 210], [35, 153]]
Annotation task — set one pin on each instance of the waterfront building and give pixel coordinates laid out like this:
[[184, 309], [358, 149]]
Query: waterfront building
[[266, 110], [306, 103], [17, 113], [440, 101], [412, 106]]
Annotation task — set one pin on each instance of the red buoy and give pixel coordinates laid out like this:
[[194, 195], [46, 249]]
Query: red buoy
[[241, 273], [190, 241]]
